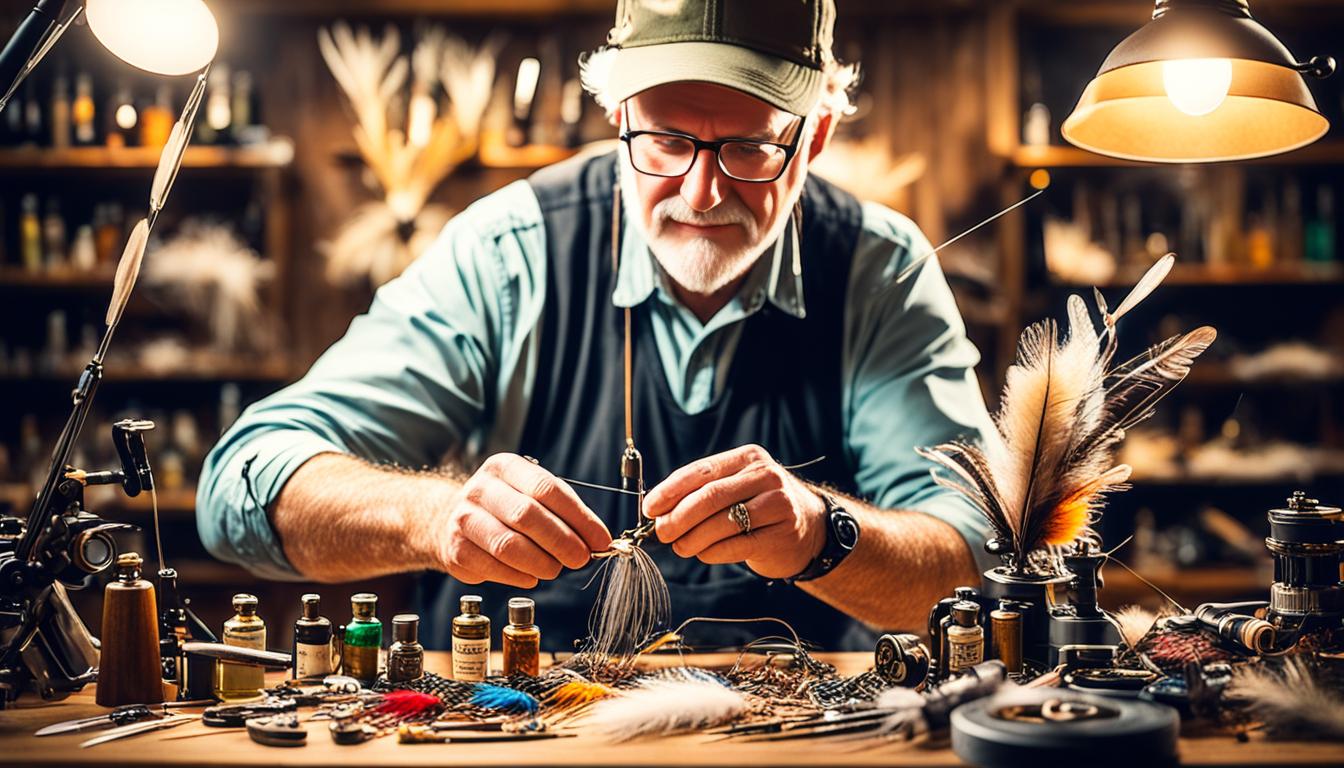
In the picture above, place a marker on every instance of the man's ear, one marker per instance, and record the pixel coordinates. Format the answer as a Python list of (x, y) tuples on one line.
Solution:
[(826, 125)]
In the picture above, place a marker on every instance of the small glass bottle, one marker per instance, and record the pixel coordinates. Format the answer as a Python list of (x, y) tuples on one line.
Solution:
[(965, 637), (312, 641), (471, 641), (522, 639), (406, 657), (83, 111), (246, 630), (361, 639)]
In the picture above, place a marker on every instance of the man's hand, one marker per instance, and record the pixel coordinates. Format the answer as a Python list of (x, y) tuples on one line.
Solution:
[(690, 510), (515, 523)]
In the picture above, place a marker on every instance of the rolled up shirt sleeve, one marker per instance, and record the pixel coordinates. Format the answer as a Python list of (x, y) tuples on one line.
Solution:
[(413, 380), (910, 374)]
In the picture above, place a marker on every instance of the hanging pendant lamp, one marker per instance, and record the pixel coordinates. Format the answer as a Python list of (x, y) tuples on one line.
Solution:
[(1201, 82)]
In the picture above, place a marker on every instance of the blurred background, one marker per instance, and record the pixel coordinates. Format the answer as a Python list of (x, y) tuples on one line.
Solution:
[(283, 224)]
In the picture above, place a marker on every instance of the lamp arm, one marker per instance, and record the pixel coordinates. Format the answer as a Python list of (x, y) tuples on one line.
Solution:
[(31, 42)]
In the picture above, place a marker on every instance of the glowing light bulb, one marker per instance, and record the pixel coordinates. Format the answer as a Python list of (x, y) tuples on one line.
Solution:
[(1197, 86), (127, 117)]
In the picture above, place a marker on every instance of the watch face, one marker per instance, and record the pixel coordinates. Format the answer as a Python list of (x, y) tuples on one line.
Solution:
[(846, 529)]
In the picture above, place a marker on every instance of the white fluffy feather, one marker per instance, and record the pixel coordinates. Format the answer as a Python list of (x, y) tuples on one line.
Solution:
[(664, 707)]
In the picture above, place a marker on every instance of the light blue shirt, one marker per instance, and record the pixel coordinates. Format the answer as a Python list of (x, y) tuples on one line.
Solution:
[(441, 368)]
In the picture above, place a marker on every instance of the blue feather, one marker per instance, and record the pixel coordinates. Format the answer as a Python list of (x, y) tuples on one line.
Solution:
[(503, 699)]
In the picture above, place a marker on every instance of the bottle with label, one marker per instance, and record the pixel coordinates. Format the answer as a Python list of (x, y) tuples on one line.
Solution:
[(406, 657), (312, 642), (30, 234), (235, 681), (361, 639), (83, 111), (471, 641), (156, 120), (965, 637), (1320, 230), (60, 113), (53, 236), (522, 639)]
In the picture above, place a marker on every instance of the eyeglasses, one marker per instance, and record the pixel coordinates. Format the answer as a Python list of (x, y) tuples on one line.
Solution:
[(671, 153)]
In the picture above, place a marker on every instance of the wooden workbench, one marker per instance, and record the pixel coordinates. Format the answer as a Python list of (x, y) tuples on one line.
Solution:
[(233, 748)]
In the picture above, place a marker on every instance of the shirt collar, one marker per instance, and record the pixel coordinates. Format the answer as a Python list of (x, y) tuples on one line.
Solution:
[(639, 275)]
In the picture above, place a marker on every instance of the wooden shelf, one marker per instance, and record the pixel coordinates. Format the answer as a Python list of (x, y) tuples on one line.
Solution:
[(1322, 152), (1202, 481), (1194, 584), (1215, 375), (120, 372), (1229, 274), (60, 279), (277, 154)]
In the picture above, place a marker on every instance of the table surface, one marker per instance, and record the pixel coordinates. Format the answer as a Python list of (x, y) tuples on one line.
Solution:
[(216, 747)]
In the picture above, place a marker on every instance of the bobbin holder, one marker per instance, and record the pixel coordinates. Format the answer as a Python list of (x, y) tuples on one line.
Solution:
[(60, 544)]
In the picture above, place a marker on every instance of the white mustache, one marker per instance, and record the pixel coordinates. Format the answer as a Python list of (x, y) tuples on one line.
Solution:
[(730, 211)]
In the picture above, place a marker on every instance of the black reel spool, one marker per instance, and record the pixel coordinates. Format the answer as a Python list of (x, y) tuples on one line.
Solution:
[(1306, 539), (1030, 729)]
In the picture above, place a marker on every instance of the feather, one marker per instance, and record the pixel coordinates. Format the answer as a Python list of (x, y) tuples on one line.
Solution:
[(1290, 701), (408, 704), (499, 698), (632, 607), (576, 693), (1040, 478), (1146, 285), (1134, 622), (128, 269), (664, 707)]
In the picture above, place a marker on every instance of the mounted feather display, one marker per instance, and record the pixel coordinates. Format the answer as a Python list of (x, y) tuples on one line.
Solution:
[(1041, 477)]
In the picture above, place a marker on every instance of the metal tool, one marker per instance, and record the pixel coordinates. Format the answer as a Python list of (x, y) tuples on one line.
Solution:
[(237, 715), (135, 729), (131, 713), (277, 731), (424, 734)]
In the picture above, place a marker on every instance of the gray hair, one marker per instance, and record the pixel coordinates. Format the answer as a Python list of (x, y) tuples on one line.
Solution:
[(839, 81)]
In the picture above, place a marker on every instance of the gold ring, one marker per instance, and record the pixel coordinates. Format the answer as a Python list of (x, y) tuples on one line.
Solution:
[(741, 517)]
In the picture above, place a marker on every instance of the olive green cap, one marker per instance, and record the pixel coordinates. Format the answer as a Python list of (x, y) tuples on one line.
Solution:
[(771, 49)]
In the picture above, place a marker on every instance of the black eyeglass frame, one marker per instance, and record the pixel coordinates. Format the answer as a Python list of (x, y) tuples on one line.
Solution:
[(700, 145)]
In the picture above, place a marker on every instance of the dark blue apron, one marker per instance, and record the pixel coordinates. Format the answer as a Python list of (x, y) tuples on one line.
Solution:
[(783, 392)]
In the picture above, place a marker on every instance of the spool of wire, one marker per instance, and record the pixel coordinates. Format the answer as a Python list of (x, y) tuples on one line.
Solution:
[(901, 660)]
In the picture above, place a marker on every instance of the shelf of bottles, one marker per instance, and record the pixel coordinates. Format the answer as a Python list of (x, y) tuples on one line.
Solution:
[(1259, 258)]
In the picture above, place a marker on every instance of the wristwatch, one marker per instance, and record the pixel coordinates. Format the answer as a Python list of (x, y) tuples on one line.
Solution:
[(842, 535)]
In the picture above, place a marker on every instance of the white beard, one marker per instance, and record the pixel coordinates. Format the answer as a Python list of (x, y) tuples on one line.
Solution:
[(700, 266)]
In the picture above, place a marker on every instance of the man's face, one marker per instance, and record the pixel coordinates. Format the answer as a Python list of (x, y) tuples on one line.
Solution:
[(705, 228)]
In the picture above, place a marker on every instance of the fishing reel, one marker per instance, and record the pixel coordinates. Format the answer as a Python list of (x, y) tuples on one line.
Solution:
[(43, 642), (1306, 539)]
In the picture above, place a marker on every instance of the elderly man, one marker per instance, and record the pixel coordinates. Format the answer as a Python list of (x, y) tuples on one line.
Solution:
[(766, 326)]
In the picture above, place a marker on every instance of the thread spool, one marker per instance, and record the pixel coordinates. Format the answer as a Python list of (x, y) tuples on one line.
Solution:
[(129, 671), (901, 660), (1006, 631)]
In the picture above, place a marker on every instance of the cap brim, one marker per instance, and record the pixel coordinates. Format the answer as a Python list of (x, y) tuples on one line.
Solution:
[(781, 83)]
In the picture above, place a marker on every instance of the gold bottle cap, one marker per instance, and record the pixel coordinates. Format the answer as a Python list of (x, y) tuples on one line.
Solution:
[(312, 602), (245, 604), (405, 627), (470, 604), (363, 605), (522, 610)]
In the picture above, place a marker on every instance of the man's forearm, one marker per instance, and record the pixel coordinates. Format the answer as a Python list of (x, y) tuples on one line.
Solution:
[(341, 519), (905, 560)]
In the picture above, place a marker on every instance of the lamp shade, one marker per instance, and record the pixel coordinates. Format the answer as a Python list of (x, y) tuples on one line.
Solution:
[(1201, 82), (167, 37)]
